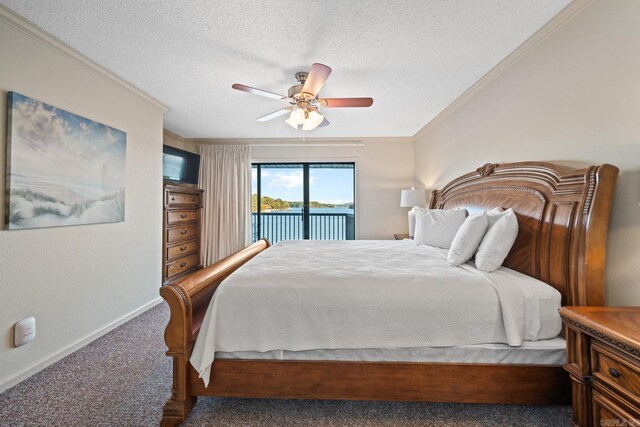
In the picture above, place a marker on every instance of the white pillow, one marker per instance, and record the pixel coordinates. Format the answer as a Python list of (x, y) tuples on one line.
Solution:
[(468, 238), (497, 241), (493, 216), (412, 219), (438, 227)]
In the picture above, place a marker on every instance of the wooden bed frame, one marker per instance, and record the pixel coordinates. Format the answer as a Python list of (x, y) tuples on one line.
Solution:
[(563, 215)]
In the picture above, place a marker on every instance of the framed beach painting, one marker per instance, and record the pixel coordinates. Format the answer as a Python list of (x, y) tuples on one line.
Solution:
[(62, 169)]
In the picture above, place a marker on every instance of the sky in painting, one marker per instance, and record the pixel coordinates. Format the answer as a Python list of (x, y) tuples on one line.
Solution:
[(48, 143), (325, 185)]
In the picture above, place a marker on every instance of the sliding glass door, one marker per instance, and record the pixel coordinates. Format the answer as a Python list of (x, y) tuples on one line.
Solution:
[(303, 201), (280, 189), (331, 201)]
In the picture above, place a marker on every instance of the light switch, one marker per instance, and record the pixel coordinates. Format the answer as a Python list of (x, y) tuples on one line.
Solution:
[(24, 331)]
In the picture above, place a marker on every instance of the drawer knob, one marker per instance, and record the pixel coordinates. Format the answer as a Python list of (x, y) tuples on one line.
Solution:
[(614, 373), (183, 248), (183, 216), (183, 232), (193, 200), (173, 199), (183, 263)]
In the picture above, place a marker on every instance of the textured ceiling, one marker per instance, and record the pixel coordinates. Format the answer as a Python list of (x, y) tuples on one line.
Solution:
[(414, 57)]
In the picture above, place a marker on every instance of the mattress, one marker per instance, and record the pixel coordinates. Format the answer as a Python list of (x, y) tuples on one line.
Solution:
[(310, 295), (543, 352)]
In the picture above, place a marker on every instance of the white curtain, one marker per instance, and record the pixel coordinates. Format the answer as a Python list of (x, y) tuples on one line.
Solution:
[(225, 177)]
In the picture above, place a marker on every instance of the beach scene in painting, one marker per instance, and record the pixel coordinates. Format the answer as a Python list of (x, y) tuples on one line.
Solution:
[(62, 169)]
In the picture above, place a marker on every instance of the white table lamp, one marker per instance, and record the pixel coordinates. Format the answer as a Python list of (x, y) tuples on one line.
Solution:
[(410, 199)]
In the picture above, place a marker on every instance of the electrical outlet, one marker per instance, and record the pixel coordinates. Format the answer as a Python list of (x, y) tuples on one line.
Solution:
[(24, 331)]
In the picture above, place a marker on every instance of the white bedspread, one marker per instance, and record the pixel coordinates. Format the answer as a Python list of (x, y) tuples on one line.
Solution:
[(304, 295)]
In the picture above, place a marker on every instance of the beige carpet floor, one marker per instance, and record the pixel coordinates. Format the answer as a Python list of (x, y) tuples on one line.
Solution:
[(124, 378)]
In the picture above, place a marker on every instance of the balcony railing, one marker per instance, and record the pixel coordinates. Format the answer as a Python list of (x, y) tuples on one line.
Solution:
[(277, 226)]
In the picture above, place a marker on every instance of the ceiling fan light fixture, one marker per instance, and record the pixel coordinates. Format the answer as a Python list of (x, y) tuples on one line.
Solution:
[(299, 115), (291, 122), (297, 118), (313, 121), (315, 118)]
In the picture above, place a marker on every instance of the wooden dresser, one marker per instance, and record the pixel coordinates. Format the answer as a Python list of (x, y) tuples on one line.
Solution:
[(603, 360), (181, 232)]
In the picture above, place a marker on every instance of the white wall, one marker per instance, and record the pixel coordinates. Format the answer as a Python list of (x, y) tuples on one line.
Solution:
[(574, 98), (383, 168), (77, 281)]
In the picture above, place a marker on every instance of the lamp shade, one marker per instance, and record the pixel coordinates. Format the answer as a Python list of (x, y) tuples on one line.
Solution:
[(311, 122), (413, 197)]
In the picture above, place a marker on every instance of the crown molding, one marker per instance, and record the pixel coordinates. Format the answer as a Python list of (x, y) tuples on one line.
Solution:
[(564, 16), (173, 135), (298, 142), (30, 29), (311, 144), (293, 142)]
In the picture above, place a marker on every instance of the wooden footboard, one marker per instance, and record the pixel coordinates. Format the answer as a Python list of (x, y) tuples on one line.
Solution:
[(188, 300)]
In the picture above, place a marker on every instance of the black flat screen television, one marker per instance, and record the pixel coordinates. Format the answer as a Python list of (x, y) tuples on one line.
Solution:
[(179, 165)]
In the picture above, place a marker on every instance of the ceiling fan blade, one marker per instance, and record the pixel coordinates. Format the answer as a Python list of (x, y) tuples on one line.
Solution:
[(316, 78), (346, 102), (273, 115), (255, 91)]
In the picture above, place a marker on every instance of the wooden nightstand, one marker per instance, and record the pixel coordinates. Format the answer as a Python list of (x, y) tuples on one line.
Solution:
[(603, 360), (400, 236)]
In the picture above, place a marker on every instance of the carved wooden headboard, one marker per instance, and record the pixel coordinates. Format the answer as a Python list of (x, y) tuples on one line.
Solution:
[(563, 215)]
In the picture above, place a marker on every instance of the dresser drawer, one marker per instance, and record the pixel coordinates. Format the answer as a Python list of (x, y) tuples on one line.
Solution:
[(179, 216), (607, 412), (181, 199), (185, 232), (181, 249), (615, 371), (180, 265)]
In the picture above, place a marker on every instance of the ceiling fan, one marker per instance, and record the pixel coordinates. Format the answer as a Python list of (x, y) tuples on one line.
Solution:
[(304, 101)]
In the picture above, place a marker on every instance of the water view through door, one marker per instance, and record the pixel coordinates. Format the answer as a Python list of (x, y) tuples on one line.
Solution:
[(303, 201)]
